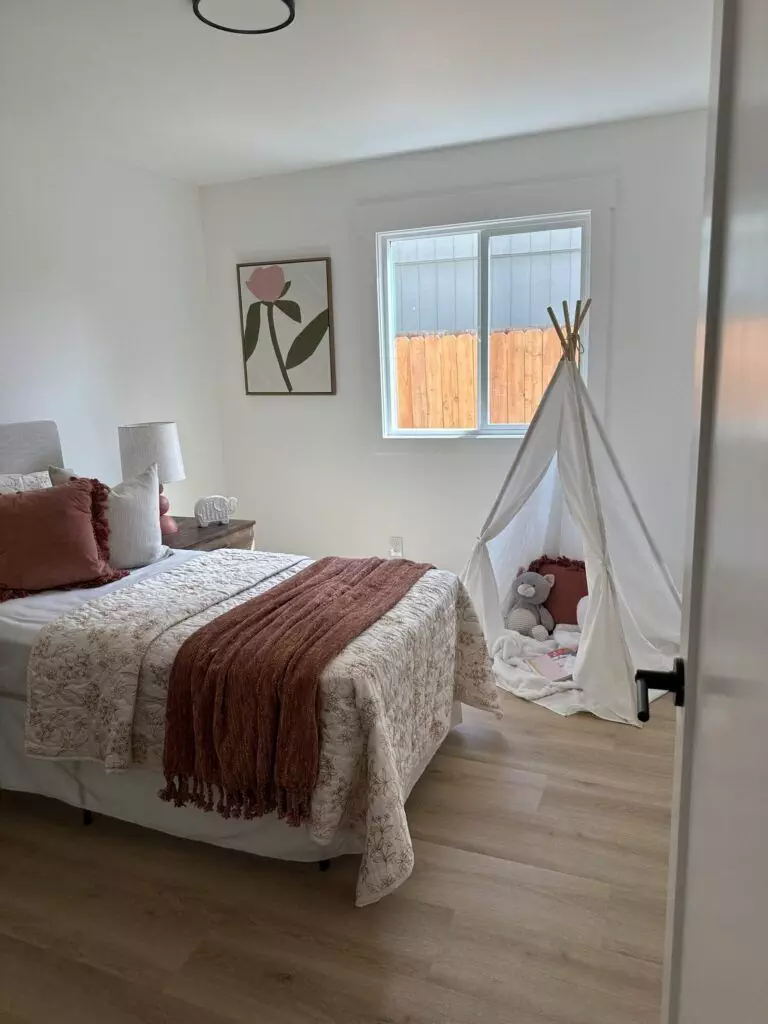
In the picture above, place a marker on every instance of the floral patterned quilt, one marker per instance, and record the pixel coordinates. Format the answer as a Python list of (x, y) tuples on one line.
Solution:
[(98, 677)]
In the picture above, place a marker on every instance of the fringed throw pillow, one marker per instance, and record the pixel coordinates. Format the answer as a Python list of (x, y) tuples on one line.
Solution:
[(56, 538)]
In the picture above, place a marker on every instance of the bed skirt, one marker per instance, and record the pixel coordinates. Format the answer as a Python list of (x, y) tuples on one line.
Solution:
[(132, 797)]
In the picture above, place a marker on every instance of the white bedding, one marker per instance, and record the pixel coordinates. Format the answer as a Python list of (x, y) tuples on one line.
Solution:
[(132, 796), (410, 644)]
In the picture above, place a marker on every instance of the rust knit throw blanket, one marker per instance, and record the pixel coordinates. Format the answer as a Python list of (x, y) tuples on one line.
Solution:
[(242, 718)]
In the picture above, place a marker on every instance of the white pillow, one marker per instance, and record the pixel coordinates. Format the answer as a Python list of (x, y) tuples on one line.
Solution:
[(134, 522), (134, 519), (10, 483)]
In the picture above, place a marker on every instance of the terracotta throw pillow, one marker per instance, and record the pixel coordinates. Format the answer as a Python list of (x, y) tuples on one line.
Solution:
[(57, 538), (570, 586)]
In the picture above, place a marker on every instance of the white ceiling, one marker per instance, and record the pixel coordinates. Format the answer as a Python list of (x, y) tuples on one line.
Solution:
[(148, 84)]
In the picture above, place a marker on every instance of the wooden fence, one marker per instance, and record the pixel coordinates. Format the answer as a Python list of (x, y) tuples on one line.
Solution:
[(437, 377)]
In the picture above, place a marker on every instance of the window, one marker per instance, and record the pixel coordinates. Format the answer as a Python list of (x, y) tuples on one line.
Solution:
[(467, 347)]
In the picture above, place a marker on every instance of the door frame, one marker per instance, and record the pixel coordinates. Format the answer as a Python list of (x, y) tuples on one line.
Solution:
[(707, 361)]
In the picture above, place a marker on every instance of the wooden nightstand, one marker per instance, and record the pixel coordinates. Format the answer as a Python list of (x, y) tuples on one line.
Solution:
[(238, 533)]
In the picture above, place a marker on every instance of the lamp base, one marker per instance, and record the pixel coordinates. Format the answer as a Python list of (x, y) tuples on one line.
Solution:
[(168, 525)]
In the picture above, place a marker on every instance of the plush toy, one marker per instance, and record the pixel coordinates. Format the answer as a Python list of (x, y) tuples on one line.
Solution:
[(527, 614)]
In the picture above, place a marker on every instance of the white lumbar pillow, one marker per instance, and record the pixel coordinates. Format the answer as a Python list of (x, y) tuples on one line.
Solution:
[(134, 522), (134, 519)]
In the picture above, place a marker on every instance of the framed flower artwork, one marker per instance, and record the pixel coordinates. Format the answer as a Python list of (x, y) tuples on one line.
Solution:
[(287, 327)]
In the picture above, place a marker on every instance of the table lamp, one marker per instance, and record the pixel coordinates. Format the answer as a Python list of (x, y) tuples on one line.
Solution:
[(141, 444)]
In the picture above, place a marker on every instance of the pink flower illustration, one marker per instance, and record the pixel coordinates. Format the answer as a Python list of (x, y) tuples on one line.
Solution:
[(266, 283), (268, 286)]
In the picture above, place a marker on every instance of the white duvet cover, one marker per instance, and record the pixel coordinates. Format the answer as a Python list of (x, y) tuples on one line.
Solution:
[(387, 703)]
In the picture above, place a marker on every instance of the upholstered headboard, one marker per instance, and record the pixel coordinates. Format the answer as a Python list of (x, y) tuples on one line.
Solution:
[(29, 447)]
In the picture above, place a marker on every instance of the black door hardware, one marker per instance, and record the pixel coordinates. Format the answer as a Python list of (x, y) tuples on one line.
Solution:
[(647, 679)]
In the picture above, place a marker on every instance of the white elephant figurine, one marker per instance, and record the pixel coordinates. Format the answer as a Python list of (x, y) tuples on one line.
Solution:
[(215, 509)]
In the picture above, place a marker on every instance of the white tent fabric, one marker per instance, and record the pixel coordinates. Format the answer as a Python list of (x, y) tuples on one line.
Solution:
[(566, 495)]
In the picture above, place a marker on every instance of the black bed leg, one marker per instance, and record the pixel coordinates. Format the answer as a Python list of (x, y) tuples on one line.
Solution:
[(87, 817), (323, 864)]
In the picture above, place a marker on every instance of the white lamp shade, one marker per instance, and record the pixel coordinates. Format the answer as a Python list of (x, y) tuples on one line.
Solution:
[(141, 444)]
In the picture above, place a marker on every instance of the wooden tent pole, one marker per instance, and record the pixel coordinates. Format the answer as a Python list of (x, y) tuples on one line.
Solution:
[(569, 339), (583, 316), (577, 318), (558, 328), (567, 319)]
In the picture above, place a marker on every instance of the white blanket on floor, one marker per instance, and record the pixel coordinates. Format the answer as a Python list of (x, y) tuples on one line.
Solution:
[(513, 673)]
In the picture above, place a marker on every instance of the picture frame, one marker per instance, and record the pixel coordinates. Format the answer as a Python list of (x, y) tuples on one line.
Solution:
[(286, 325)]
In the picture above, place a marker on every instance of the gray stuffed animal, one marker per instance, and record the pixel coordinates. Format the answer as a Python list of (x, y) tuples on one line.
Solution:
[(527, 614)]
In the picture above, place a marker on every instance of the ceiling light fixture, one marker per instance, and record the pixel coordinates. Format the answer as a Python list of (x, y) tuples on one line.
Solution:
[(239, 17)]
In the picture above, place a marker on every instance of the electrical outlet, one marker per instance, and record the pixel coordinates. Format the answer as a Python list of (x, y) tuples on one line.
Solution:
[(395, 547)]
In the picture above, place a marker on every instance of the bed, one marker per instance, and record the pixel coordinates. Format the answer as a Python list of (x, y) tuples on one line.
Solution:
[(386, 703)]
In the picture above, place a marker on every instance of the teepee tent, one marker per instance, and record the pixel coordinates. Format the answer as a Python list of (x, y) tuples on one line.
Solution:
[(566, 495)]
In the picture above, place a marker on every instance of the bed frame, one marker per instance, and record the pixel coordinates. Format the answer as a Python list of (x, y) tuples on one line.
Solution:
[(32, 447), (29, 447)]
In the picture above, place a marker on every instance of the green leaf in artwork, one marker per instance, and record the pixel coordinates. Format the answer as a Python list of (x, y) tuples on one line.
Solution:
[(285, 290), (252, 328), (290, 309), (306, 341)]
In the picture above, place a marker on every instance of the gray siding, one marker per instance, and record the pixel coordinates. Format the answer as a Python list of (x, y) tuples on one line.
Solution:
[(436, 286)]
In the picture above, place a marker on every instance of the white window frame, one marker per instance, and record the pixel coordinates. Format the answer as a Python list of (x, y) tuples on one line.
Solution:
[(485, 231)]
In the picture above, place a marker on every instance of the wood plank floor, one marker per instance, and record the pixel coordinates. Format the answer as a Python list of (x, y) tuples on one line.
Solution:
[(538, 896)]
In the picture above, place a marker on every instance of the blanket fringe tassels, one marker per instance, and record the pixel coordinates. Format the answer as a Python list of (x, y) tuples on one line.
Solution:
[(183, 791)]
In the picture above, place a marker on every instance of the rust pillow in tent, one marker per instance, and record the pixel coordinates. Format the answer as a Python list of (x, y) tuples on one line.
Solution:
[(570, 586), (55, 539)]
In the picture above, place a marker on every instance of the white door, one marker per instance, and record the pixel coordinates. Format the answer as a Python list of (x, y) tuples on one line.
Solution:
[(718, 951)]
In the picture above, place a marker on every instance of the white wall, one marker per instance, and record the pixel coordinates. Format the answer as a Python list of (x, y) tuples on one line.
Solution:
[(103, 308), (314, 471)]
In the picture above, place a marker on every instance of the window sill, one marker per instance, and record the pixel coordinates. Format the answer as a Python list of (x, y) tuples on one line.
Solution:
[(514, 434)]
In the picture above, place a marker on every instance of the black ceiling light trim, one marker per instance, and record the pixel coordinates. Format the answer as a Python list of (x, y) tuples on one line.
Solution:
[(290, 4)]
